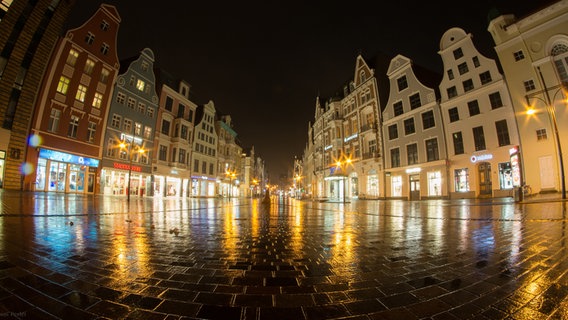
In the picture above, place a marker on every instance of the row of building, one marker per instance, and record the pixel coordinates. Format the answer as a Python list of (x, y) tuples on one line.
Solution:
[(478, 129), (75, 119)]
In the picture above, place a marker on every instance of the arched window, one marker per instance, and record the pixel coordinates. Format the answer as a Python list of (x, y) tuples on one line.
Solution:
[(559, 53)]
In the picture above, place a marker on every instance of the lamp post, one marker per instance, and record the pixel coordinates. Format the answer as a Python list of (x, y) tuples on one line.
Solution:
[(342, 165), (129, 149), (552, 117), (231, 175)]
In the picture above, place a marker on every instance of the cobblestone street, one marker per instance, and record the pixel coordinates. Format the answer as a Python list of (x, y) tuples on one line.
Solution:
[(95, 257)]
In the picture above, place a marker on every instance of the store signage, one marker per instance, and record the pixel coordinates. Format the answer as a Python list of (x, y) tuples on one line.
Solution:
[(515, 166), (124, 166), (413, 170), (481, 157), (67, 157)]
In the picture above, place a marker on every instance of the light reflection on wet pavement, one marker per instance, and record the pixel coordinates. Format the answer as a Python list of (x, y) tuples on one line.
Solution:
[(82, 257)]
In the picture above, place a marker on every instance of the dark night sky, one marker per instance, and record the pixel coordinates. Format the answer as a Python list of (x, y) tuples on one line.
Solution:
[(264, 63)]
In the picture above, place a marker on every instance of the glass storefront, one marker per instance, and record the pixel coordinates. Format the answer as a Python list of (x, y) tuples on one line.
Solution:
[(434, 184), (505, 175), (115, 182), (397, 186), (461, 177), (373, 185), (64, 172)]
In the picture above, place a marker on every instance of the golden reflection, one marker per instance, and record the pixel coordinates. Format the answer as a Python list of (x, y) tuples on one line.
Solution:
[(231, 231)]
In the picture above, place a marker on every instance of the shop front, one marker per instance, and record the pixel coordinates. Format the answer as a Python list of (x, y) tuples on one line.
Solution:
[(116, 177), (58, 171)]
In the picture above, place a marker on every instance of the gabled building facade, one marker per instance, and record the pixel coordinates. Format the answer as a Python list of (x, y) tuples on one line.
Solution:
[(480, 123), (204, 173), (173, 138), (129, 133), (533, 52), (228, 155), (414, 143), (71, 108), (28, 33)]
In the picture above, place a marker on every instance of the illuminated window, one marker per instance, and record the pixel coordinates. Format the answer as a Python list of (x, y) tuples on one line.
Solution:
[(72, 57), (97, 100), (89, 66), (147, 132), (140, 85), (81, 93), (63, 85), (137, 129), (105, 75)]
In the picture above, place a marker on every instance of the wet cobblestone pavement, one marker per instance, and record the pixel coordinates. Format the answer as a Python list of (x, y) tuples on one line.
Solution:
[(94, 257)]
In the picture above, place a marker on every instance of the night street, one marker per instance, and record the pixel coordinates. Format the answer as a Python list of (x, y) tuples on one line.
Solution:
[(83, 257)]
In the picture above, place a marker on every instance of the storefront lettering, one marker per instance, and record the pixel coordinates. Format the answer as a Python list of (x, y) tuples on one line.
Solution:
[(481, 157), (123, 166)]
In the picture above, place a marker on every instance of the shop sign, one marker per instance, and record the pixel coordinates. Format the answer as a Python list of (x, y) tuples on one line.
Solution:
[(481, 157), (124, 166), (67, 157)]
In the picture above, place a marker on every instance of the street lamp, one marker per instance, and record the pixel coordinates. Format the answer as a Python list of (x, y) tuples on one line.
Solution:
[(552, 117), (129, 149)]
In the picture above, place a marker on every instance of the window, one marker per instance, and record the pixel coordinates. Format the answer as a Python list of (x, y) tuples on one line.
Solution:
[(81, 93), (458, 53), (195, 165), (72, 57), (432, 153), (150, 112), (415, 101), (462, 68), (541, 134), (412, 153), (116, 121), (184, 132), (89, 66), (452, 92), (163, 153), (169, 103), (559, 53), (105, 74), (475, 62), (395, 158), (458, 143), (104, 25), (409, 126), (112, 146), (137, 129), (211, 168), (63, 85), (181, 156), (89, 38), (479, 138), (147, 132), (393, 132), (529, 85), (467, 85), (140, 85), (120, 97), (141, 108), (145, 66), (473, 107), (73, 126), (450, 74), (402, 83), (104, 49), (204, 167), (518, 55), (454, 114), (127, 126), (181, 110), (398, 108), (53, 123), (91, 131), (502, 133), (485, 77), (495, 100), (131, 103), (166, 127), (97, 100), (428, 120)]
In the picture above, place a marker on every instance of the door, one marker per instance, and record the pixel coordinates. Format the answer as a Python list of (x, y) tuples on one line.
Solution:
[(414, 187), (546, 169), (484, 174)]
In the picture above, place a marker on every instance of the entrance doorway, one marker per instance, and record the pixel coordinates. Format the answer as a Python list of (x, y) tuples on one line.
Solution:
[(484, 174), (414, 187)]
